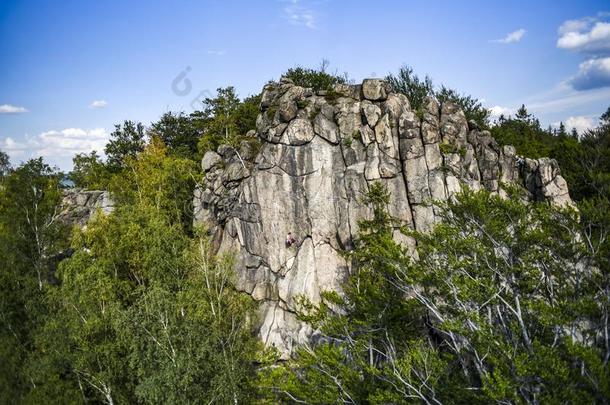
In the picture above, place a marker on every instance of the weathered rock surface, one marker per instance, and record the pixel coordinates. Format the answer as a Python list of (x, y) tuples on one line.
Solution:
[(79, 206), (319, 154)]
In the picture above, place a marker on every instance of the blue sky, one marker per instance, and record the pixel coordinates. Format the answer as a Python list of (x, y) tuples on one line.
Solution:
[(70, 70)]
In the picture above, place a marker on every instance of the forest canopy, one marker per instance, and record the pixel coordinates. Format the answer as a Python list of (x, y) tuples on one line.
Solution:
[(507, 301)]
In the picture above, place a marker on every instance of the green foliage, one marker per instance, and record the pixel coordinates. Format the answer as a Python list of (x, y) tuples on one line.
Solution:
[(314, 113), (317, 79), (30, 237), (126, 141), (584, 160), (525, 134), (302, 103), (179, 132), (5, 164), (409, 84), (159, 180), (506, 284), (446, 148), (417, 89), (247, 112), (140, 311), (349, 363), (498, 308), (90, 172), (226, 119), (29, 201), (473, 109), (144, 313)]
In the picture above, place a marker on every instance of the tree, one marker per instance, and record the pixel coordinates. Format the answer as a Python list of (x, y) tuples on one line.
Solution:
[(30, 204), (604, 119), (364, 333), (125, 141), (505, 304), (525, 134), (417, 90), (561, 131), (159, 179), (505, 287), (179, 132), (317, 79), (473, 109), (222, 109), (409, 84), (522, 114), (5, 164), (90, 172), (246, 113), (144, 313), (30, 237), (226, 119)]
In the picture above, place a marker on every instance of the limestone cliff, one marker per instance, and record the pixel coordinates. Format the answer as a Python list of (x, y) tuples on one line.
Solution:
[(320, 152)]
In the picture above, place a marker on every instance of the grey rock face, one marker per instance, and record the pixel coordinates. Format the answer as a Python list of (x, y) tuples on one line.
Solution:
[(79, 206), (375, 89), (210, 159), (318, 156)]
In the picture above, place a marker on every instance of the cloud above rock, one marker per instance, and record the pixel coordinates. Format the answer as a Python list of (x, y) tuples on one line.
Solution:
[(590, 37), (496, 111), (581, 123)]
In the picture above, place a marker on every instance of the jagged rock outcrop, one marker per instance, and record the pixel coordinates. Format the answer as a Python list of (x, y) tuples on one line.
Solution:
[(319, 153), (78, 205)]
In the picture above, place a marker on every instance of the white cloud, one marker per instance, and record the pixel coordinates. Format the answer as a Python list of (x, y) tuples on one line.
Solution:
[(297, 14), (11, 109), (592, 74), (575, 25), (496, 111), (564, 98), (511, 37), (216, 52), (581, 123), (57, 146), (587, 35), (98, 104)]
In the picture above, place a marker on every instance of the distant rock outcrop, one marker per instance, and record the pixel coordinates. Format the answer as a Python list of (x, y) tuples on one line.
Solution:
[(78, 205), (320, 152)]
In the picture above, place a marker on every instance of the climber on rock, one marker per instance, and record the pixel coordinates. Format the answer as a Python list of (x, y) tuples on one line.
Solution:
[(290, 240)]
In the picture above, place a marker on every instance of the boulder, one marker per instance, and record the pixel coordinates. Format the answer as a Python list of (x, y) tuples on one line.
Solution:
[(375, 89), (210, 159)]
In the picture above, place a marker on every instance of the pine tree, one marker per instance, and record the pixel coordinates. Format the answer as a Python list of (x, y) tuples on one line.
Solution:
[(497, 308), (522, 114), (561, 131)]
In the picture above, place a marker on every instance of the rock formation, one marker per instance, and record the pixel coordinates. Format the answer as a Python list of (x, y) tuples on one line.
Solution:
[(78, 205), (319, 152)]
